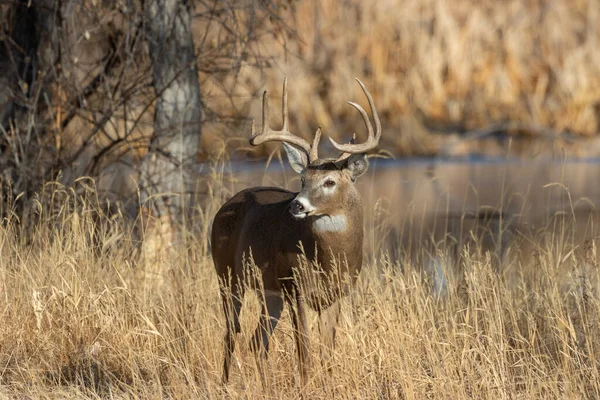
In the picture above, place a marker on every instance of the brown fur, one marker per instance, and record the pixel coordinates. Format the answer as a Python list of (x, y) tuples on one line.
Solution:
[(258, 221), (306, 246)]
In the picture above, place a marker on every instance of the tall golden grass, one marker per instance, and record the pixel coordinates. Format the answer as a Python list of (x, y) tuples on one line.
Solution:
[(432, 65), (79, 320)]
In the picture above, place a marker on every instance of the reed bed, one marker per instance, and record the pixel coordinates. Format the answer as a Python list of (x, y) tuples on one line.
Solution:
[(80, 319), (433, 66)]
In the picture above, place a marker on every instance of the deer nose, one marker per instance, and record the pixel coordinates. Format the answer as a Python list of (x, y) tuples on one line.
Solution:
[(296, 207)]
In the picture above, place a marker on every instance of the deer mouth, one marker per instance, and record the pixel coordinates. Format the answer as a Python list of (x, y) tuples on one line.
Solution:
[(301, 214)]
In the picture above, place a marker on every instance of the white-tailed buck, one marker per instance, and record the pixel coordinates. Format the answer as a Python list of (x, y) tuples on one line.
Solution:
[(307, 246)]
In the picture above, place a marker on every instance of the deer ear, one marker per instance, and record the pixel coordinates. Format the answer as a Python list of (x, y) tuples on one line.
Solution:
[(297, 158), (357, 164)]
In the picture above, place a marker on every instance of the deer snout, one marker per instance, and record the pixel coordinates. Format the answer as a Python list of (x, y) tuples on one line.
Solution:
[(300, 208), (296, 207)]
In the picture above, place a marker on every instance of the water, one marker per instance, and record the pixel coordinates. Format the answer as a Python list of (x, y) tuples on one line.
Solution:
[(417, 208), (421, 209)]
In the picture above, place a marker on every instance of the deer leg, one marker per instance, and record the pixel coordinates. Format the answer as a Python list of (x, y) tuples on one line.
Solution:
[(300, 333), (273, 308), (232, 306), (328, 319)]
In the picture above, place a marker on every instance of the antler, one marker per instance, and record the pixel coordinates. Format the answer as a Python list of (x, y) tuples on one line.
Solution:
[(284, 135), (344, 155), (373, 138)]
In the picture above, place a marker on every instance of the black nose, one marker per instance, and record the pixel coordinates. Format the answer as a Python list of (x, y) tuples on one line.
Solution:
[(296, 207)]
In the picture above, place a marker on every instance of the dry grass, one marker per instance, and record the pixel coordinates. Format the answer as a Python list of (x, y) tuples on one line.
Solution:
[(80, 321), (434, 65)]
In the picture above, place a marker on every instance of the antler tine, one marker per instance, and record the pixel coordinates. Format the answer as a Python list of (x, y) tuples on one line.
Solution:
[(284, 135), (284, 106), (344, 155), (314, 149), (373, 109), (373, 137), (365, 118)]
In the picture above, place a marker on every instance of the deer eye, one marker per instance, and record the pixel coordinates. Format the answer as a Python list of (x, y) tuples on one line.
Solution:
[(329, 183)]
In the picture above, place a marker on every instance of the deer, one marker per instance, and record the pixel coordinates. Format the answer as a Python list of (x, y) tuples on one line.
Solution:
[(320, 227)]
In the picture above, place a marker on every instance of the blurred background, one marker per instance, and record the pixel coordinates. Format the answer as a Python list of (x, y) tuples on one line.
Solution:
[(77, 76)]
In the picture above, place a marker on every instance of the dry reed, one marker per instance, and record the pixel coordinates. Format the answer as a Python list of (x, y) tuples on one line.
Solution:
[(78, 321), (432, 66)]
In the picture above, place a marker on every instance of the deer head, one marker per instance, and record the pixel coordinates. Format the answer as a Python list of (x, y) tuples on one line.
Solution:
[(327, 183)]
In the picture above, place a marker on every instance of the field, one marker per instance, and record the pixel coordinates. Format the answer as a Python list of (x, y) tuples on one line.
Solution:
[(81, 319), (84, 314)]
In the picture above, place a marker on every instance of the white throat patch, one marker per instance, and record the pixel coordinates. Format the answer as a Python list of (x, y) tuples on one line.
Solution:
[(333, 223)]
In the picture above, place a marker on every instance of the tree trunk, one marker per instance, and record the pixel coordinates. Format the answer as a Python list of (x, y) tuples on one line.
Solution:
[(29, 44), (166, 171)]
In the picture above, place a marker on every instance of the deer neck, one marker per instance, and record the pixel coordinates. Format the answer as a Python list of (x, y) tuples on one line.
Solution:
[(330, 224), (343, 223), (338, 248)]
